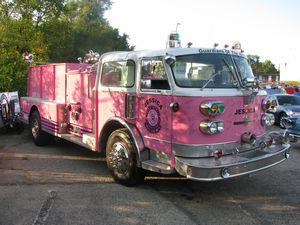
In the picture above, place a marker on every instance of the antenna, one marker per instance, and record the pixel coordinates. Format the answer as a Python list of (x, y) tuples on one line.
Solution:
[(177, 26)]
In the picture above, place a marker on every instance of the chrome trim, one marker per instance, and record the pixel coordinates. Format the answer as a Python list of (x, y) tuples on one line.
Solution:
[(185, 150), (210, 169), (158, 167), (211, 92), (294, 135), (42, 100), (130, 106)]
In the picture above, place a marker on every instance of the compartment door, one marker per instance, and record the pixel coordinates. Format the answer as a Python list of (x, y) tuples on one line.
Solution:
[(79, 102)]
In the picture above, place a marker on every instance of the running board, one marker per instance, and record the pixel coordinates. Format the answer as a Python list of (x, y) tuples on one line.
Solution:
[(157, 167), (86, 141)]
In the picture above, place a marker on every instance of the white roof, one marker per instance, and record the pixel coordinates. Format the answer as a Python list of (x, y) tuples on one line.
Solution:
[(113, 56)]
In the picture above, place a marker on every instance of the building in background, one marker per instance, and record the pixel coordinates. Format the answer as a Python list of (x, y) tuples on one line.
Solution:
[(269, 78)]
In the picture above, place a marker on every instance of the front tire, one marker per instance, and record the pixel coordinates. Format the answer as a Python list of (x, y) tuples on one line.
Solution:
[(39, 136), (122, 160), (281, 117)]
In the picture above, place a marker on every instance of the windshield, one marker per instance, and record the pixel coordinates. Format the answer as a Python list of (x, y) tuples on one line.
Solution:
[(288, 100), (208, 70), (243, 67)]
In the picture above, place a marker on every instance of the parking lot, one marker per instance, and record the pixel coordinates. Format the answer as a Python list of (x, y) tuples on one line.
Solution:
[(66, 184)]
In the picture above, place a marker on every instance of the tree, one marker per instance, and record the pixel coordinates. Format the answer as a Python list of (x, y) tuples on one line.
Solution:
[(52, 30), (90, 30), (16, 38), (262, 68), (13, 70), (267, 67)]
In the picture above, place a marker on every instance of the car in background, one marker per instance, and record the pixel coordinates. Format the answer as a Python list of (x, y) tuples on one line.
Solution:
[(283, 106), (292, 125)]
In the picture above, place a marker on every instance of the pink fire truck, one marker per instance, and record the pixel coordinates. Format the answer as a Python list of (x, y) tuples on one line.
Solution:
[(192, 111)]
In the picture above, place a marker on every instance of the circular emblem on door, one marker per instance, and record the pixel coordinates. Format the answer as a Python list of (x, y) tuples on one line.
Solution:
[(152, 123)]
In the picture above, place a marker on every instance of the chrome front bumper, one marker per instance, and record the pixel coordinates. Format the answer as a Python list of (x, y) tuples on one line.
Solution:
[(233, 165)]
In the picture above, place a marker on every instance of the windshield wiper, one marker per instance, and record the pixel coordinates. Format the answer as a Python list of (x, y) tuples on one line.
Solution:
[(218, 73), (210, 80)]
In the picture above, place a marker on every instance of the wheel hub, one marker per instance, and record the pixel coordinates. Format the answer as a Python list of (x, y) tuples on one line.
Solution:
[(119, 158), (34, 128)]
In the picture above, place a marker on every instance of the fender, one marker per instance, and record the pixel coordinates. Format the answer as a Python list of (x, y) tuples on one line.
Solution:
[(134, 133)]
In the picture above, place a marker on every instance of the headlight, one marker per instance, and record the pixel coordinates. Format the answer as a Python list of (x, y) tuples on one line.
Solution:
[(212, 108), (268, 104), (211, 126), (268, 119), (220, 126)]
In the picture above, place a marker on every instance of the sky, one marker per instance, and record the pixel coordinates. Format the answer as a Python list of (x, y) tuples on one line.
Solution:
[(267, 28)]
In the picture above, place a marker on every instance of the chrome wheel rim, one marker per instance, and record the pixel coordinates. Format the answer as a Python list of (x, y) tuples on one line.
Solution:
[(119, 158), (35, 127), (281, 123)]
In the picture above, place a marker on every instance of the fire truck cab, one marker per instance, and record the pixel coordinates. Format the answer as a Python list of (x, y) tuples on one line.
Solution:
[(193, 111)]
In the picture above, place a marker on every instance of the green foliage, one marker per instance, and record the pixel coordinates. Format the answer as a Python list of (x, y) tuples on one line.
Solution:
[(262, 68), (291, 83), (52, 30), (13, 72)]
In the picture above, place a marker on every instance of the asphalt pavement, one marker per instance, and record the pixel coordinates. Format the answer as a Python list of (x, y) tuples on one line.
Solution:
[(65, 184)]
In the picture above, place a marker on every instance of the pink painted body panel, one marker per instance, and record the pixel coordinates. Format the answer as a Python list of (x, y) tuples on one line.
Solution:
[(79, 96), (48, 81), (186, 121), (52, 115), (154, 121), (52, 87), (110, 104)]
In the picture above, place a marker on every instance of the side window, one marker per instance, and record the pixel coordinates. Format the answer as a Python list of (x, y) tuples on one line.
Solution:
[(153, 75), (118, 74)]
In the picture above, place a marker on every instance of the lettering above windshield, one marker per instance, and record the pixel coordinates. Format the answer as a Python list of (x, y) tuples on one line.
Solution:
[(219, 51)]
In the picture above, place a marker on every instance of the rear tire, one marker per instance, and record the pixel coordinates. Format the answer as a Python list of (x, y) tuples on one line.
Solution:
[(121, 159), (39, 136)]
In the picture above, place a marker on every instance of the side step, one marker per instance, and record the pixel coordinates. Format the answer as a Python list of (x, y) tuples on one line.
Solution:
[(157, 167), (86, 141)]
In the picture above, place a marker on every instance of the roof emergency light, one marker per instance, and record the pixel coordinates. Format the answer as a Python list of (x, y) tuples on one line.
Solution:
[(173, 40), (237, 46)]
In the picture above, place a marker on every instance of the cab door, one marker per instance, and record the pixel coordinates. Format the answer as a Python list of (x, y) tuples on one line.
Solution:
[(154, 117)]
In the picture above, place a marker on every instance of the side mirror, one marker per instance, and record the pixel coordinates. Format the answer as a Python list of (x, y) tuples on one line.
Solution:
[(249, 81), (170, 60), (252, 61)]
